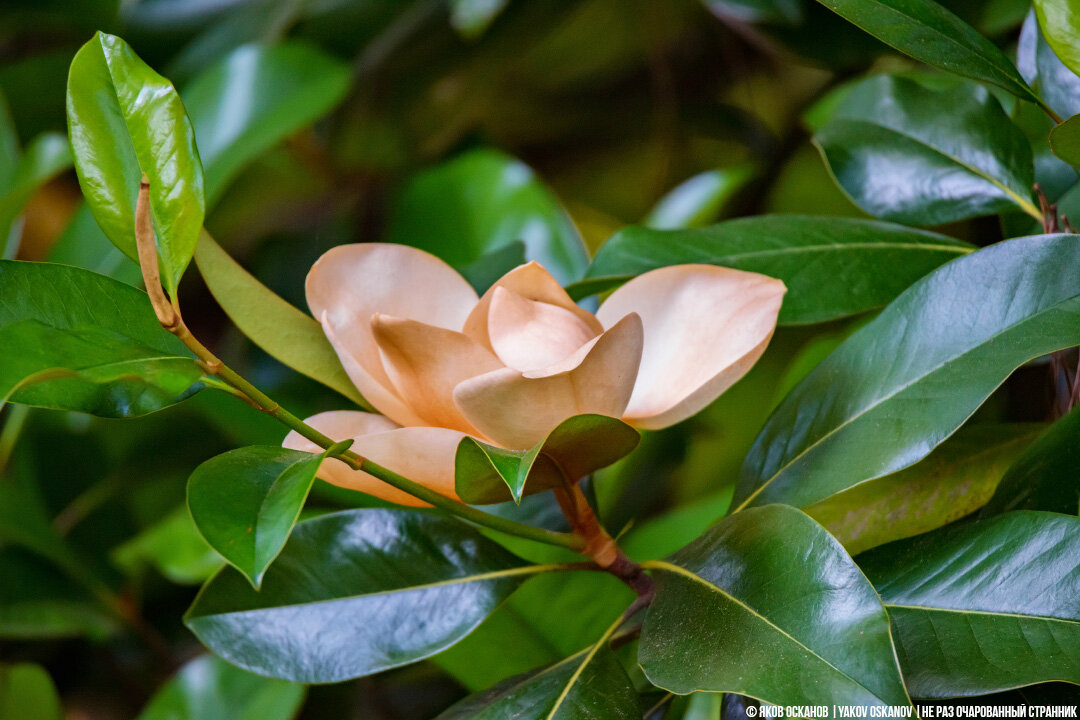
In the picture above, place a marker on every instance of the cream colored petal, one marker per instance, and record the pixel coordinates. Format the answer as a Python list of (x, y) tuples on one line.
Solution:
[(531, 335), (350, 283), (424, 455), (425, 363), (533, 282), (705, 326), (518, 410)]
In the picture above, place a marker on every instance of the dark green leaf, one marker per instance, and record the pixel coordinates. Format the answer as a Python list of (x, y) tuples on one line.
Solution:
[(1058, 86), (591, 685), (720, 623), (173, 547), (246, 501), (988, 606), (1065, 140), (47, 156), (907, 380), (291, 336), (491, 266), (1045, 476), (577, 447), (207, 688), (931, 34), (255, 97), (124, 120), (1060, 24), (411, 585), (699, 200), (914, 155), (96, 340), (953, 481), (481, 201), (833, 267), (27, 691)]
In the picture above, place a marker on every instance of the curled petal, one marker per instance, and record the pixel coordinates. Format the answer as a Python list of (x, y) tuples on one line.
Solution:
[(422, 454), (518, 410), (531, 335), (705, 327), (532, 282), (350, 283), (425, 363)]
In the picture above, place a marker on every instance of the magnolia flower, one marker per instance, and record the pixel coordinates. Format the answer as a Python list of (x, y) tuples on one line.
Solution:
[(440, 363)]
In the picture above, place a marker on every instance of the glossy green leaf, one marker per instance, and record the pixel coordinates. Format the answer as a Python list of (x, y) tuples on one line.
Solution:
[(47, 156), (1060, 24), (124, 120), (720, 623), (412, 584), (955, 480), (37, 601), (833, 267), (246, 501), (919, 156), (699, 200), (291, 336), (932, 34), (96, 340), (481, 201), (207, 688), (1065, 140), (987, 606), (591, 685), (1056, 84), (255, 97), (173, 547), (907, 380), (1044, 477), (577, 447), (27, 691)]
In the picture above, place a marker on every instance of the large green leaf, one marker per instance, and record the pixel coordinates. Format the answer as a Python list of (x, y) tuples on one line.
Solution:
[(1060, 23), (46, 156), (207, 688), (27, 691), (931, 34), (92, 342), (907, 380), (481, 201), (410, 584), (291, 336), (987, 606), (907, 153), (124, 120), (246, 501), (577, 447), (833, 267), (1045, 476), (721, 623), (953, 481), (591, 685), (255, 97)]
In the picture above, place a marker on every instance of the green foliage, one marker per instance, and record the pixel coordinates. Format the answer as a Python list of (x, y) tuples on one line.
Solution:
[(26, 691)]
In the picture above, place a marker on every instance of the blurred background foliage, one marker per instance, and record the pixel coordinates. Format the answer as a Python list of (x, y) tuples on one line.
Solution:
[(482, 130)]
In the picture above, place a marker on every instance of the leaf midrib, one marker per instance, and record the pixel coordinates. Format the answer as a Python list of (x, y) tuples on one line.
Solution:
[(989, 613)]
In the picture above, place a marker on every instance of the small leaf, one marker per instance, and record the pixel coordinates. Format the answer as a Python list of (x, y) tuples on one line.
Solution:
[(246, 501), (289, 335), (173, 547), (1060, 24), (482, 201), (910, 154), (1044, 477), (720, 624), (124, 120), (699, 200), (931, 34), (590, 685), (411, 584), (578, 446), (906, 381), (955, 480), (207, 688), (27, 691), (987, 606), (833, 267), (1065, 140)]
